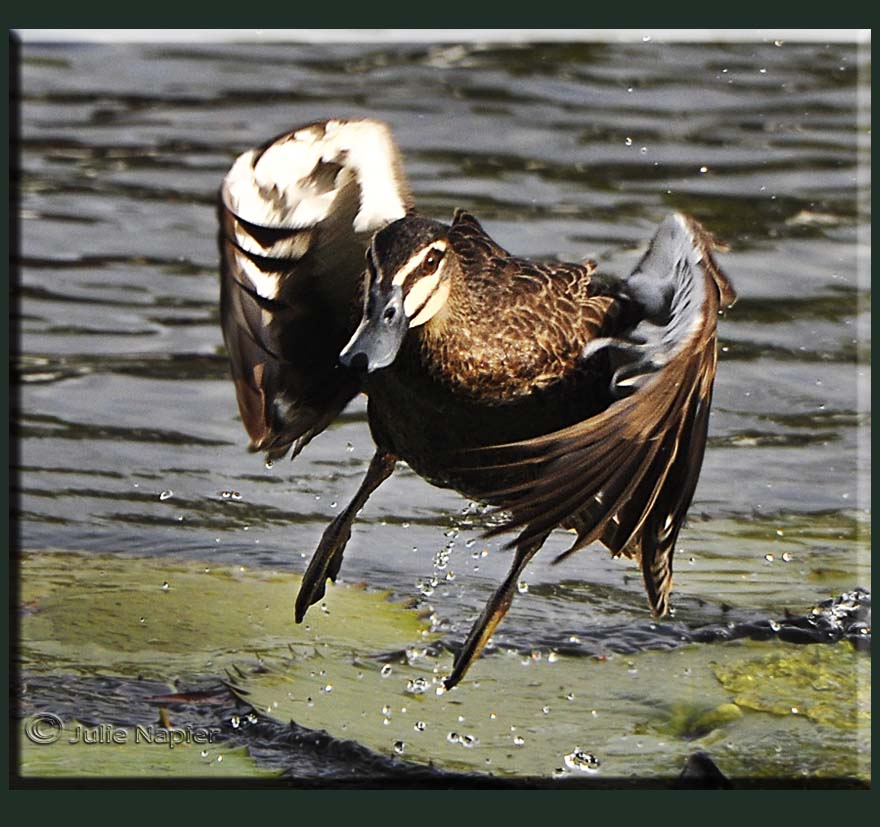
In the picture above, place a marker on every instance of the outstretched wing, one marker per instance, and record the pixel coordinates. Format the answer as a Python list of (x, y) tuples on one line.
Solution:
[(627, 476), (296, 217)]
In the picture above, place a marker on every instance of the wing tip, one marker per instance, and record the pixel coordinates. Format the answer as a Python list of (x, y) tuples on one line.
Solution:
[(295, 179), (706, 244)]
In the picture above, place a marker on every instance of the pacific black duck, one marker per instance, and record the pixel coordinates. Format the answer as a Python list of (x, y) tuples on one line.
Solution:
[(562, 396)]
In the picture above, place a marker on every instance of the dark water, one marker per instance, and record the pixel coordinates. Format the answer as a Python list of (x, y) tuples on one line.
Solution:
[(563, 150)]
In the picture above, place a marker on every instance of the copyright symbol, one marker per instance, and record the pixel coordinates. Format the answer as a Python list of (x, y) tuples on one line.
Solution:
[(43, 728)]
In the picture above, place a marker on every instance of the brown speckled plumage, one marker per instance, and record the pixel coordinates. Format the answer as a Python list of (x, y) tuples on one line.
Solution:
[(563, 396)]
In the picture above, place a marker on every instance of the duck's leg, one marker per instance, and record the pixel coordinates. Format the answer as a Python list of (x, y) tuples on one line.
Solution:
[(495, 610), (327, 558)]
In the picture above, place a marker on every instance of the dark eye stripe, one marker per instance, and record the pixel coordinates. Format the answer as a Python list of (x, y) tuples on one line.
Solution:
[(428, 298)]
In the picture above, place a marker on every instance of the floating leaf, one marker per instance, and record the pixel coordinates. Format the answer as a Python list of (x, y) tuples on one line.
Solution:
[(132, 752), (90, 613), (828, 684)]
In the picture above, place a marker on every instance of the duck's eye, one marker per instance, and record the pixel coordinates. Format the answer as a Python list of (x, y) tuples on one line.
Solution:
[(432, 260), (389, 314)]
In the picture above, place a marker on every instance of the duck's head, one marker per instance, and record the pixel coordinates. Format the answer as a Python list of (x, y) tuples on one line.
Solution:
[(409, 267)]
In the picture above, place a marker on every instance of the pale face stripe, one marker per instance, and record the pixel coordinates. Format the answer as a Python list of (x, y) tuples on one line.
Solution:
[(432, 306), (416, 261)]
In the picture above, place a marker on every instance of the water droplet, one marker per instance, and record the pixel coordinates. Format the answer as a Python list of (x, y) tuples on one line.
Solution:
[(786, 557), (628, 141), (646, 38), (518, 740), (420, 726), (143, 620), (220, 759), (522, 587), (204, 753), (426, 587), (769, 557), (327, 689), (778, 42), (415, 653), (552, 657), (235, 721), (385, 671), (704, 170), (416, 686), (399, 747), (453, 737), (545, 710), (165, 586), (581, 761), (166, 494), (762, 71), (794, 710), (643, 150)]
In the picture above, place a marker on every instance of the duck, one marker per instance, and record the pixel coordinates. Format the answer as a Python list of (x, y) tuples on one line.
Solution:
[(561, 396)]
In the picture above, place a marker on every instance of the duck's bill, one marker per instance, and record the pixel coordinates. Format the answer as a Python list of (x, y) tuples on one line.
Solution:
[(378, 338)]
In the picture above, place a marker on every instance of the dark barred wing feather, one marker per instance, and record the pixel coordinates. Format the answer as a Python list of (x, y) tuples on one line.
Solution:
[(296, 216), (627, 476)]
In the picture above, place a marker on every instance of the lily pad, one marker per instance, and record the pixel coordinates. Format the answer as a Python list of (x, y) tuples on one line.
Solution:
[(827, 684), (130, 752), (532, 715), (87, 613)]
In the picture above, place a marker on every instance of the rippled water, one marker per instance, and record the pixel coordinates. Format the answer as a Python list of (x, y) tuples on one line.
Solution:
[(128, 434)]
